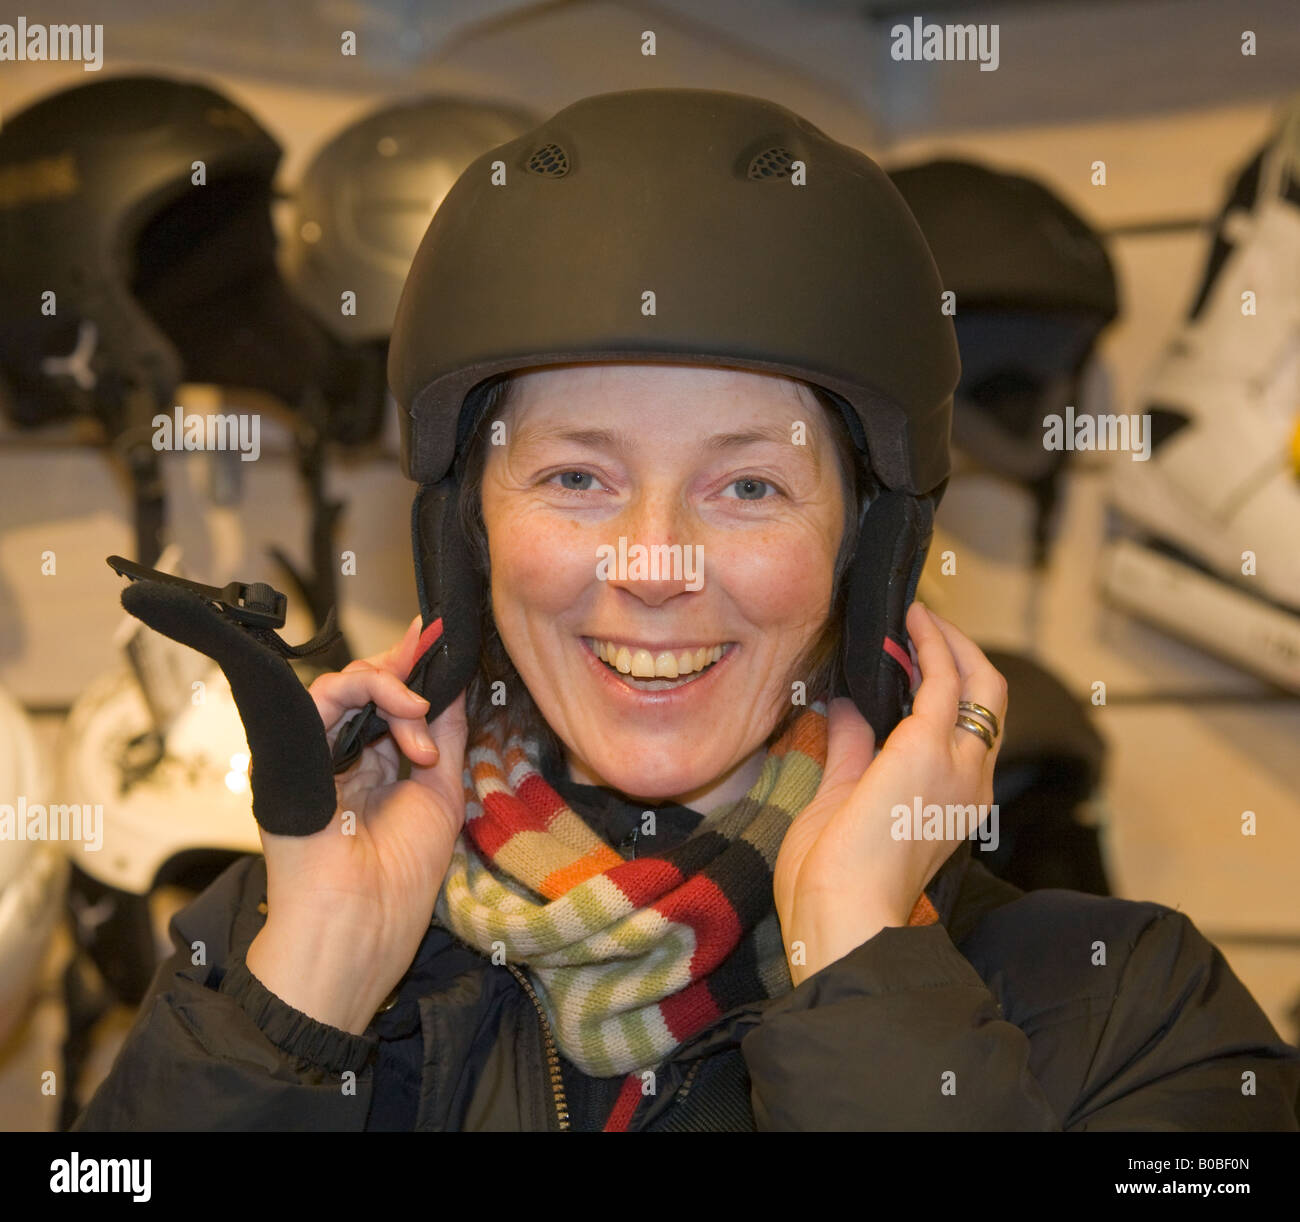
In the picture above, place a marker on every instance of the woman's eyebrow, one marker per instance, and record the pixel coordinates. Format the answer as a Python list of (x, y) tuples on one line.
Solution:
[(734, 441), (620, 443), (595, 438)]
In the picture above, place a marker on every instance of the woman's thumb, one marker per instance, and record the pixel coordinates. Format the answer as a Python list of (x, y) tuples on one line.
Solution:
[(449, 730), (850, 743)]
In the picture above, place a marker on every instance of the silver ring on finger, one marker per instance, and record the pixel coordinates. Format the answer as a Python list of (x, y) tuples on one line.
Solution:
[(975, 727), (978, 711)]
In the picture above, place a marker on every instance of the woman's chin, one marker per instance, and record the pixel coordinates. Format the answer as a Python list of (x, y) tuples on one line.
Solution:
[(638, 787), (642, 780)]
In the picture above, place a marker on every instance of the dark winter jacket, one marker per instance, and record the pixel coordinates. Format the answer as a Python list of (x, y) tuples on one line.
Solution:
[(1046, 1010)]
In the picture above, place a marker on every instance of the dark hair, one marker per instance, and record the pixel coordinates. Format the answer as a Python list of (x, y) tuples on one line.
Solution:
[(817, 666)]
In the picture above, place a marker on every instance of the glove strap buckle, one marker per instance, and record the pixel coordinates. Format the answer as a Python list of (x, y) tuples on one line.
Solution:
[(253, 603)]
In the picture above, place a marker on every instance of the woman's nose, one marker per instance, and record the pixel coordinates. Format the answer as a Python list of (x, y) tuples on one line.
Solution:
[(655, 550)]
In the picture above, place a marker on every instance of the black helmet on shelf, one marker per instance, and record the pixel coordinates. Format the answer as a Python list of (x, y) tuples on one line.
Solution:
[(139, 253), (1034, 290)]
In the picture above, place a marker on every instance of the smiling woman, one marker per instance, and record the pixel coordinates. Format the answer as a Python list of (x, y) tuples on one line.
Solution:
[(637, 877), (781, 604)]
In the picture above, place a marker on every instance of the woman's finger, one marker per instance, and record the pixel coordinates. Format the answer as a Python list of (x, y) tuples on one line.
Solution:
[(850, 745), (935, 701), (981, 683), (343, 692), (414, 738), (401, 658), (398, 660), (450, 731), (972, 664)]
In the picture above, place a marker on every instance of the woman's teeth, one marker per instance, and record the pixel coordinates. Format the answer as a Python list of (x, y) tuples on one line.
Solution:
[(642, 664)]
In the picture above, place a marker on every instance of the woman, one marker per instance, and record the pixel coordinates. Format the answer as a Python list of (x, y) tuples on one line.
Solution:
[(669, 881)]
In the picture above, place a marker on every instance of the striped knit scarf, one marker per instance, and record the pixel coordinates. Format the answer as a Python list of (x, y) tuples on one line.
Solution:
[(631, 957)]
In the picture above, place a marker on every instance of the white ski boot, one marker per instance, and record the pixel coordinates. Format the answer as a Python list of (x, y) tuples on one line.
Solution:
[(1222, 485)]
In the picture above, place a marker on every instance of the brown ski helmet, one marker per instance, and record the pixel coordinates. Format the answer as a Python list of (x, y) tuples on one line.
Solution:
[(768, 245)]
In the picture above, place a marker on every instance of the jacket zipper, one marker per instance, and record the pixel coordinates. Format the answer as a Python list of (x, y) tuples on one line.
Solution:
[(552, 1053), (685, 1088)]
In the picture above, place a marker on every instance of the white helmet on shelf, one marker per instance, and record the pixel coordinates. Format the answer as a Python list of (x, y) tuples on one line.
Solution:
[(178, 817), (33, 873)]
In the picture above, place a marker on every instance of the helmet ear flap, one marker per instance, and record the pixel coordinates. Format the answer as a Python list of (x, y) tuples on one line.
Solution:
[(450, 589), (893, 539)]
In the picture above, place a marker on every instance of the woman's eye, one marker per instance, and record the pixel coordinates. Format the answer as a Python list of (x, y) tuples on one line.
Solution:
[(563, 477), (749, 489)]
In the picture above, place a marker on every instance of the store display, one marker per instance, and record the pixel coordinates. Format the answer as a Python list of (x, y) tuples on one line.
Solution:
[(1208, 547)]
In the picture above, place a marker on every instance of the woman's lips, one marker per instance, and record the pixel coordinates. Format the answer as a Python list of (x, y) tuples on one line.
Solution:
[(664, 697)]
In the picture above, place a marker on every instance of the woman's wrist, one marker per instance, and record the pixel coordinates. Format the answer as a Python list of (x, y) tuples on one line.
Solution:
[(830, 929), (319, 970)]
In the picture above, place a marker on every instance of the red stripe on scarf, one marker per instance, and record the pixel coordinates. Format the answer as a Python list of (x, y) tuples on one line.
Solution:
[(689, 1010), (703, 906), (503, 815), (645, 879), (625, 1105), (533, 809), (540, 798)]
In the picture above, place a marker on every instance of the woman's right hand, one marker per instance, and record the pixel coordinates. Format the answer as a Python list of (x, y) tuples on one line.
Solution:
[(348, 906)]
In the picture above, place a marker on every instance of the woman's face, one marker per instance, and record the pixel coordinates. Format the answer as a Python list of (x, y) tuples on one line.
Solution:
[(699, 468)]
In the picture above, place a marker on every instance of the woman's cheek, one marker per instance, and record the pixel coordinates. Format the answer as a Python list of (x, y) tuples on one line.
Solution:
[(779, 577), (548, 562)]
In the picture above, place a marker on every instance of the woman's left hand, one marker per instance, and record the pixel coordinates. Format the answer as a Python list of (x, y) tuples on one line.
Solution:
[(840, 875)]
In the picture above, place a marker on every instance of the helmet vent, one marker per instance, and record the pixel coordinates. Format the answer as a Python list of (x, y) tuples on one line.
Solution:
[(771, 163), (550, 161)]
